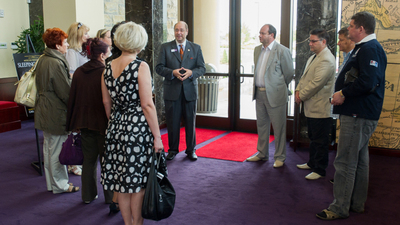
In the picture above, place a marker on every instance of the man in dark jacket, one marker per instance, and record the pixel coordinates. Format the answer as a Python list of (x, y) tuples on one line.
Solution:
[(180, 62), (358, 98)]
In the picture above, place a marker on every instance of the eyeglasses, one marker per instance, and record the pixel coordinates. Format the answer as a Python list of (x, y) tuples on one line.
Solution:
[(79, 25), (314, 41)]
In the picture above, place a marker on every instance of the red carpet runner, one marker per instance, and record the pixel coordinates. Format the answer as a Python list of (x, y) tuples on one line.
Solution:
[(202, 135), (235, 146)]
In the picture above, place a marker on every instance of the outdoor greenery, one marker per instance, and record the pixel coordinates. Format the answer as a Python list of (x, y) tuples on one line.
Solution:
[(35, 31)]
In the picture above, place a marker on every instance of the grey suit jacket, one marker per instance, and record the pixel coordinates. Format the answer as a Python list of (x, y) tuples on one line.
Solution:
[(170, 59), (316, 85), (278, 74)]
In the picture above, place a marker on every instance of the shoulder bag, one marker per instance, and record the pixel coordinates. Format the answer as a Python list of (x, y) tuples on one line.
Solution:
[(26, 90), (159, 197)]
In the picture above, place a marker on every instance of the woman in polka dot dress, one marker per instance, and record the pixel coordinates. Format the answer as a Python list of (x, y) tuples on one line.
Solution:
[(133, 130)]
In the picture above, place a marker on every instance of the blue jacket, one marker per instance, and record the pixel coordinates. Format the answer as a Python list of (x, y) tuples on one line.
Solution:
[(364, 96)]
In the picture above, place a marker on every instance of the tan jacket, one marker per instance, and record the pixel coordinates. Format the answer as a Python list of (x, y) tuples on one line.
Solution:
[(53, 84), (316, 85)]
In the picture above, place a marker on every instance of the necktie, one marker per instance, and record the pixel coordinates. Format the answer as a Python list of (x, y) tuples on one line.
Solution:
[(181, 51)]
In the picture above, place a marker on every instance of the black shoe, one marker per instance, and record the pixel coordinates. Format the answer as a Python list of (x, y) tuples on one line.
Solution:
[(332, 181), (114, 208), (192, 156), (171, 155)]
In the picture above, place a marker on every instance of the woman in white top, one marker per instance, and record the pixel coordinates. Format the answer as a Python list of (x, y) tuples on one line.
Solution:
[(77, 35)]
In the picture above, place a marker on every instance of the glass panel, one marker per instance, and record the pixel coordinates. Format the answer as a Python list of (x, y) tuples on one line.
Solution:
[(255, 13), (211, 32), (247, 105), (212, 88)]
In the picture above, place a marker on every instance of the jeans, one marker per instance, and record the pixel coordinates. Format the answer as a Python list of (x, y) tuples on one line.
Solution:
[(318, 133), (352, 165)]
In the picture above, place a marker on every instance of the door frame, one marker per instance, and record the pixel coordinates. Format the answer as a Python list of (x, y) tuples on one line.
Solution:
[(233, 122)]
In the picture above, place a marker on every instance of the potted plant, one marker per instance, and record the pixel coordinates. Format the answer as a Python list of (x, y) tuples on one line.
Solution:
[(34, 33)]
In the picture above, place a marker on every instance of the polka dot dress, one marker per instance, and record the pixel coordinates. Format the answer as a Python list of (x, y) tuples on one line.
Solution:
[(129, 141)]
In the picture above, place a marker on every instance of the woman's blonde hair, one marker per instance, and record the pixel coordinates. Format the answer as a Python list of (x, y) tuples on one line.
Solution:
[(75, 33), (130, 37), (101, 33)]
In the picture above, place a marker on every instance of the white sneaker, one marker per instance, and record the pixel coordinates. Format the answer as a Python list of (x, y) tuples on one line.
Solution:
[(313, 176), (303, 166), (278, 163)]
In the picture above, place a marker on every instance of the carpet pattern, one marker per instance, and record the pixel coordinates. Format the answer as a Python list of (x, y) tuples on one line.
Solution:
[(202, 135), (209, 191)]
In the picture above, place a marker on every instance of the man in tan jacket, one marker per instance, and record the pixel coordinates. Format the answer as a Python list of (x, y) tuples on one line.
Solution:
[(314, 90)]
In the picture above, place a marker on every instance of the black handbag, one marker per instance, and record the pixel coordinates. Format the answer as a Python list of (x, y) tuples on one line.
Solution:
[(159, 197)]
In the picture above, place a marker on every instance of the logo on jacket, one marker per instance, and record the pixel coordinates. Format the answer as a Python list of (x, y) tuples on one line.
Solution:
[(373, 63)]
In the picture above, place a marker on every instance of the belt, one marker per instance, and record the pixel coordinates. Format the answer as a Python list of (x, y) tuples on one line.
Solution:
[(261, 88)]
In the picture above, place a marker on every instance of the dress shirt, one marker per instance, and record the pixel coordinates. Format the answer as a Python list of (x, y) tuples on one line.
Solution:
[(179, 46), (179, 49), (262, 64), (345, 58)]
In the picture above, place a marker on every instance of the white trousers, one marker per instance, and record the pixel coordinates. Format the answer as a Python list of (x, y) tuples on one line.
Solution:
[(56, 174)]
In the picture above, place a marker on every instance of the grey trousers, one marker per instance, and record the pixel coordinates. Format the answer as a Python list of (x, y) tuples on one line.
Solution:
[(56, 174), (92, 148), (266, 114)]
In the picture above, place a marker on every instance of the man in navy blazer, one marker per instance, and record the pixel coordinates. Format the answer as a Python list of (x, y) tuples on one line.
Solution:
[(180, 62)]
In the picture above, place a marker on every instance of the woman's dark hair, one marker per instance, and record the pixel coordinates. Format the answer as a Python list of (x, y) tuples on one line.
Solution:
[(54, 36), (115, 51), (93, 48)]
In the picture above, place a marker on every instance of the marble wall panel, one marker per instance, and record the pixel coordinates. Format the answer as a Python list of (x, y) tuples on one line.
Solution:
[(313, 14), (150, 14), (35, 10)]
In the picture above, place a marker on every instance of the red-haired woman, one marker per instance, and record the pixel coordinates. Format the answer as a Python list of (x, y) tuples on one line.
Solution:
[(86, 113), (53, 84)]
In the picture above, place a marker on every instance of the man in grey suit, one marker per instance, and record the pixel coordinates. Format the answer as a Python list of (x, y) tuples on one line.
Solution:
[(274, 71), (180, 62), (314, 90)]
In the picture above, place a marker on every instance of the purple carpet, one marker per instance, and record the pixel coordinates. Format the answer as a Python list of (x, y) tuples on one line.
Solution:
[(209, 191)]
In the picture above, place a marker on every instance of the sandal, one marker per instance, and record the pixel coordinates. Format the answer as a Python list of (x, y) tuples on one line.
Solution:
[(72, 189), (326, 214), (75, 170)]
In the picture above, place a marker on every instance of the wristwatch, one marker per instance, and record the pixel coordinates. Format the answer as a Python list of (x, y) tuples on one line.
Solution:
[(341, 93)]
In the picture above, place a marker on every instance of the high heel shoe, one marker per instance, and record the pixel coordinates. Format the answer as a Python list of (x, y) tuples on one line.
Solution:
[(114, 208)]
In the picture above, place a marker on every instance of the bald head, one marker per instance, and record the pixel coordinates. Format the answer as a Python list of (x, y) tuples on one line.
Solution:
[(181, 30)]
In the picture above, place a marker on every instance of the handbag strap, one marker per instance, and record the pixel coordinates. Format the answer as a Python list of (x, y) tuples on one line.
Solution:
[(31, 80), (34, 66)]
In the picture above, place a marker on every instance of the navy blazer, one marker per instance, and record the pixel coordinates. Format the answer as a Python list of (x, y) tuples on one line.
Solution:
[(170, 59)]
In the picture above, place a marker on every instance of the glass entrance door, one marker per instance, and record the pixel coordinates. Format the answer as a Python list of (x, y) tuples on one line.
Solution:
[(227, 31)]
